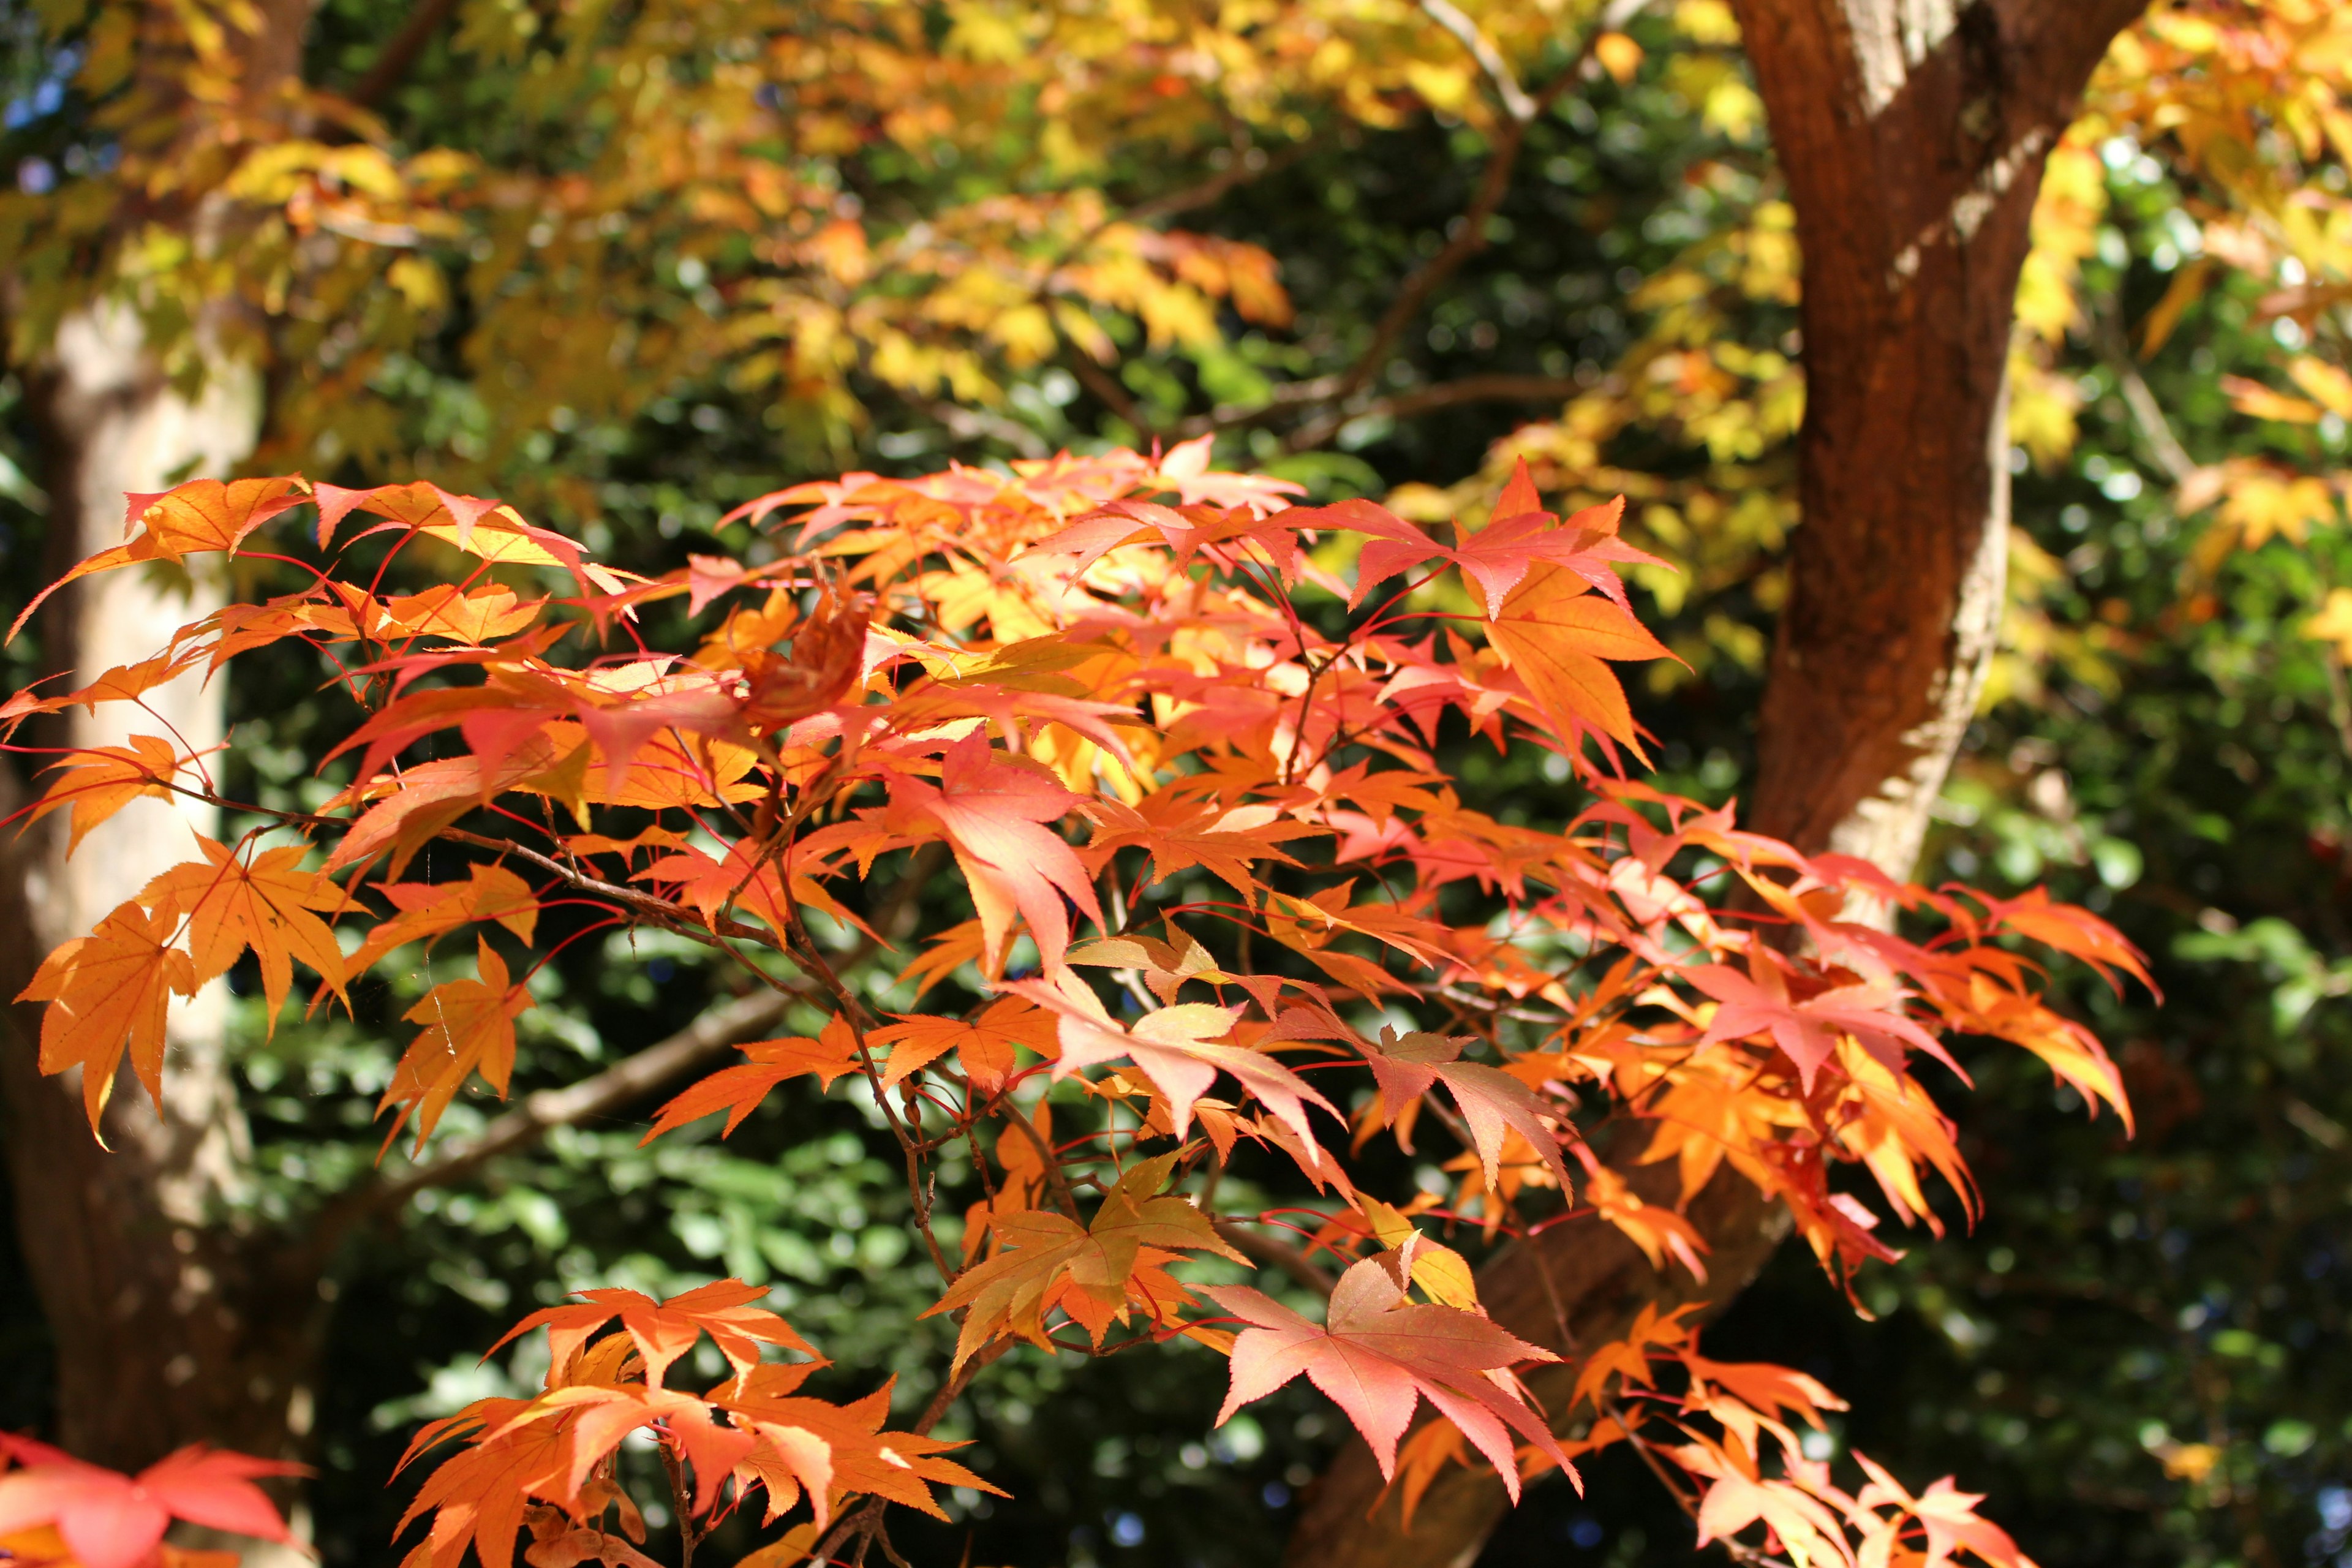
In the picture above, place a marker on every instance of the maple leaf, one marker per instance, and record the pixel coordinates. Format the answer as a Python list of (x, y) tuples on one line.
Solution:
[(1555, 635), (479, 1495), (122, 683), (737, 1091), (2072, 929), (984, 1046), (428, 909), (1492, 1102), (1165, 966), (1048, 1261), (747, 881), (1947, 1515), (992, 808), (201, 515), (102, 780), (109, 990), (1179, 833), (468, 1027), (1378, 1354), (113, 1521), (1807, 1031), (1498, 557), (474, 616), (894, 1466), (961, 943), (665, 1331), (1747, 1396), (1654, 1229), (827, 656), (593, 1420), (266, 904), (1176, 1047), (1808, 1528)]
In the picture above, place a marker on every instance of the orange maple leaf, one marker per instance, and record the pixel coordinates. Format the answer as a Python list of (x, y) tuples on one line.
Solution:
[(429, 908), (102, 780), (737, 1091), (1555, 634), (468, 1027), (1492, 1102), (108, 991), (993, 809), (230, 905), (1049, 1261), (201, 515), (984, 1046), (666, 1330)]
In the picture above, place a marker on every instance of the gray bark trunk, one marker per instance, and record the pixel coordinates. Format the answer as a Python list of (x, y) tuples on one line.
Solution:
[(1913, 134)]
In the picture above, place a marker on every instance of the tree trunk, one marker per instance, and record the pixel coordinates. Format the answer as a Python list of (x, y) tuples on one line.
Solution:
[(173, 1323), (1913, 134), (168, 1328)]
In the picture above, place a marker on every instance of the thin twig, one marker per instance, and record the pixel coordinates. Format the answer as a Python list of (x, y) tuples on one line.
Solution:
[(1239, 172), (1445, 395), (1470, 237), (1265, 1250), (2145, 412), (1106, 386), (952, 1390)]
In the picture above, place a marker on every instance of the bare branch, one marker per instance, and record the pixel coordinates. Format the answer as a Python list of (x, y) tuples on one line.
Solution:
[(2145, 412), (710, 1036), (401, 53), (1239, 172), (1267, 1252), (1515, 102), (1445, 395), (974, 423), (1470, 237), (1106, 386)]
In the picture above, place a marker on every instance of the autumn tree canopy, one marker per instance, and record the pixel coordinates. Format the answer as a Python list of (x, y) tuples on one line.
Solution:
[(484, 247), (977, 663)]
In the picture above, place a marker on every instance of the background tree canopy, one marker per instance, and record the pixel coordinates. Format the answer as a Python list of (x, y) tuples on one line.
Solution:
[(631, 266)]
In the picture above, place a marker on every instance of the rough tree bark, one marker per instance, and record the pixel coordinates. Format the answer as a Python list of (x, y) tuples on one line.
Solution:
[(1913, 135)]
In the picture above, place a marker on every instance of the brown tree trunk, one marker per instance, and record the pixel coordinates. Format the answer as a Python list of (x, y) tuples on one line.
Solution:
[(1913, 134)]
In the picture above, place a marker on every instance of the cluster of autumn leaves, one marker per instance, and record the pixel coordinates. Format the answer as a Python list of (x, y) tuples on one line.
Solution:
[(1178, 740)]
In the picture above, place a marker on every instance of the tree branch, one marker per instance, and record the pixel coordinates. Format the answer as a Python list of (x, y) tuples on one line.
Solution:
[(1515, 102), (1445, 395), (712, 1034), (2145, 412), (1266, 1252), (1470, 237), (1106, 386), (1239, 172), (401, 53)]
